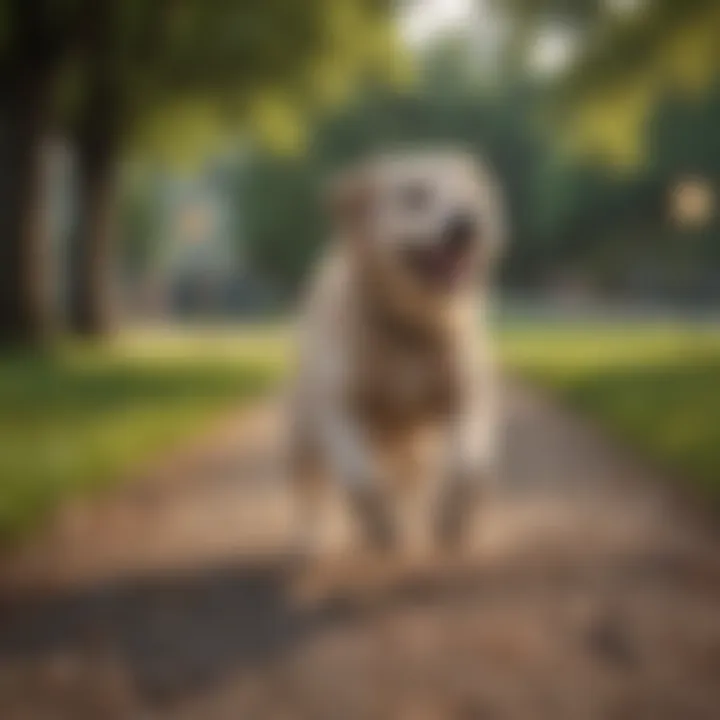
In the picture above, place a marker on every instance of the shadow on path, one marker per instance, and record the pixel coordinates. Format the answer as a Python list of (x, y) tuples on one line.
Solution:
[(590, 598)]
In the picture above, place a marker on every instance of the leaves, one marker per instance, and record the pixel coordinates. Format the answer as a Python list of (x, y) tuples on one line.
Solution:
[(629, 63)]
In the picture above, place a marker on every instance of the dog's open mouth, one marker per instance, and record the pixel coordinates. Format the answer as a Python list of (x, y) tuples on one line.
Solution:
[(442, 266), (449, 260)]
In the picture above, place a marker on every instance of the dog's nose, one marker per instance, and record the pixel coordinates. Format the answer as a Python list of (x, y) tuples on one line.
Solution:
[(459, 231)]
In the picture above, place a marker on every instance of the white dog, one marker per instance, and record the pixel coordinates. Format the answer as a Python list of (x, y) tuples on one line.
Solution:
[(393, 341)]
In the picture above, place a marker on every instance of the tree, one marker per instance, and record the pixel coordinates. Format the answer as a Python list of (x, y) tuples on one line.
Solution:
[(98, 142), (140, 61), (627, 65), (33, 44), (283, 223), (108, 68)]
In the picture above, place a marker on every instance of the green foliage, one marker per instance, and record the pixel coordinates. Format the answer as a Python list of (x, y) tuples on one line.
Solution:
[(283, 220), (652, 386), (140, 220), (282, 217), (590, 215), (628, 63), (259, 65), (203, 66), (571, 215), (79, 419), (629, 54)]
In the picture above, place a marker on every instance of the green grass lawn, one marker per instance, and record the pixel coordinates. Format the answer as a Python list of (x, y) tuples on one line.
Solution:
[(80, 417), (655, 387)]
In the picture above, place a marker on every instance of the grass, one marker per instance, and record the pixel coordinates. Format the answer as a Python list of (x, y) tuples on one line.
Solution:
[(656, 387), (81, 417)]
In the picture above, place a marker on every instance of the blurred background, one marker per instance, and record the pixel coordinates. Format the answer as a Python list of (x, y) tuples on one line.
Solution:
[(162, 160), (161, 164)]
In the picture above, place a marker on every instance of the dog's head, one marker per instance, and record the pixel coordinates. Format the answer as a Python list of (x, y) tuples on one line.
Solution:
[(430, 222)]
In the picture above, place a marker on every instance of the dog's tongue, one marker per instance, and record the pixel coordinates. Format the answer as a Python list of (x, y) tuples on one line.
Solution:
[(440, 266), (447, 265)]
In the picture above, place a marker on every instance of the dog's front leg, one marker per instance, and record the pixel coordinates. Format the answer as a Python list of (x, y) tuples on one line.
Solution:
[(470, 467), (353, 462)]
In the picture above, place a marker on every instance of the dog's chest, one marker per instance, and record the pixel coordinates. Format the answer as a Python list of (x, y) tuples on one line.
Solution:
[(402, 386)]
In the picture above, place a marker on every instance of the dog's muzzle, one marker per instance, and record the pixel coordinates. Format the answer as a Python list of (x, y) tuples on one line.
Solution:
[(448, 260), (458, 235)]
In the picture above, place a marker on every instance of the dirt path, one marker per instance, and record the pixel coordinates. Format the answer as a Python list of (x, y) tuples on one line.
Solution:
[(590, 595)]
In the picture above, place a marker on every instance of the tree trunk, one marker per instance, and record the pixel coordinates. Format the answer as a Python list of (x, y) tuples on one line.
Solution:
[(25, 111), (92, 306)]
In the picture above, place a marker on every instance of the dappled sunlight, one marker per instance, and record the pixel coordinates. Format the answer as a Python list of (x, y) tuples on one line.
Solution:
[(257, 459), (86, 416)]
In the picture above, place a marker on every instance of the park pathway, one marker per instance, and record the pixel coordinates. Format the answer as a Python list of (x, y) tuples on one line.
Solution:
[(591, 593)]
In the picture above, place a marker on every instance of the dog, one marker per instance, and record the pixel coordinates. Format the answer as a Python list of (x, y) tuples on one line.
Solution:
[(393, 346)]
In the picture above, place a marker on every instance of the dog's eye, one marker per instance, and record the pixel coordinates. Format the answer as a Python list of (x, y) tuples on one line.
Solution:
[(415, 196)]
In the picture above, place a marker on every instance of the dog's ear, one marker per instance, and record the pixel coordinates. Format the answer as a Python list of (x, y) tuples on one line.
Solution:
[(348, 200)]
